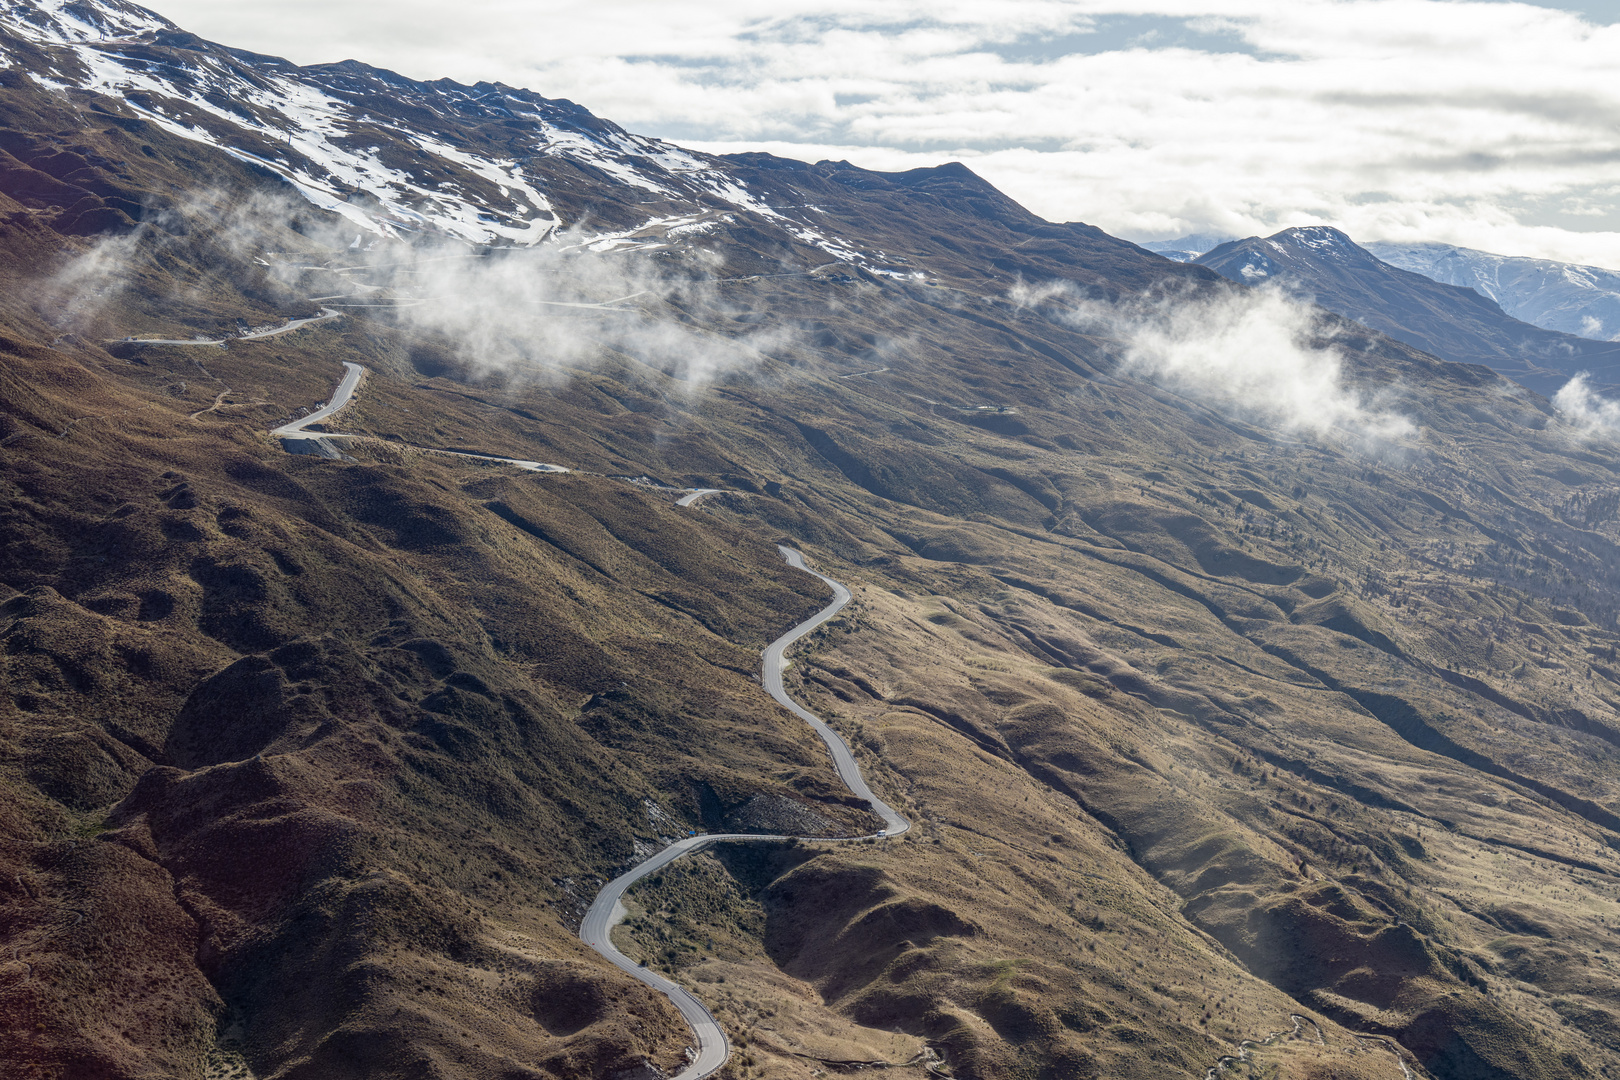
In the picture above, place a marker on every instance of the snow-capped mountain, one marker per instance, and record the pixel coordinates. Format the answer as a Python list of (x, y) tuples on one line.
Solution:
[(1449, 321), (1186, 248), (488, 164), (1580, 300), (485, 164)]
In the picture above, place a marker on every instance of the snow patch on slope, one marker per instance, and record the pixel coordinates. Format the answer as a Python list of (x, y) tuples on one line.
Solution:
[(1581, 300), (386, 176)]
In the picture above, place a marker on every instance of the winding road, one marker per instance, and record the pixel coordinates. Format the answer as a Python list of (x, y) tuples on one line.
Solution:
[(843, 760), (607, 910), (1243, 1057), (286, 328), (352, 375), (297, 440)]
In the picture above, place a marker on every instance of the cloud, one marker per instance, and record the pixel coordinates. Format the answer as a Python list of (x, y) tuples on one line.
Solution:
[(86, 284), (1484, 124), (1587, 415), (541, 313), (545, 312), (1253, 353)]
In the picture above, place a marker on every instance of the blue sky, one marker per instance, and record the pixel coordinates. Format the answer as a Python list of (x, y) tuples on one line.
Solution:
[(1480, 122)]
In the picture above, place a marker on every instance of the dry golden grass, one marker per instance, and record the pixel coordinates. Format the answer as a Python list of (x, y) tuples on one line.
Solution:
[(1197, 730)]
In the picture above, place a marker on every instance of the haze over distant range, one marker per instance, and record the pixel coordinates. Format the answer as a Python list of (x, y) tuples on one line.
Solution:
[(1483, 124)]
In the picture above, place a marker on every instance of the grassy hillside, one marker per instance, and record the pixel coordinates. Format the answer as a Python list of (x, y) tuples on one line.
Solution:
[(1209, 717)]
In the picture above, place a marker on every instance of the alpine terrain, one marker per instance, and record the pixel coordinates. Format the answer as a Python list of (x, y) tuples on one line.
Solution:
[(1450, 320), (1187, 248), (487, 594), (1581, 300)]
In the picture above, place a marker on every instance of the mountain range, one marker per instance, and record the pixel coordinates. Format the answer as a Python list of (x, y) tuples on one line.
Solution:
[(1187, 248), (1244, 672), (1451, 321), (1580, 300)]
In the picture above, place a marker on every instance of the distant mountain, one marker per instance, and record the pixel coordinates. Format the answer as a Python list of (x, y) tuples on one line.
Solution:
[(1449, 321), (401, 159), (1186, 248), (1580, 300)]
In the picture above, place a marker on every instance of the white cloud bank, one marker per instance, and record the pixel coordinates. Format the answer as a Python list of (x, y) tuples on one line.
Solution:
[(1587, 414), (542, 313), (1257, 354), (1485, 124)]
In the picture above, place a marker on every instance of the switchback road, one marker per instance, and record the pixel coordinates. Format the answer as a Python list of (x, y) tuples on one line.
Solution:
[(286, 328), (294, 432), (843, 760), (607, 910)]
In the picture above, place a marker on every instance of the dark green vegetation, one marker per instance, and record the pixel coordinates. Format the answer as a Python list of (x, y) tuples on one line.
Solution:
[(309, 767)]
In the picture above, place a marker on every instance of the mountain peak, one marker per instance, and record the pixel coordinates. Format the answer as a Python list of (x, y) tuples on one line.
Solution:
[(1321, 237), (1448, 321), (1319, 242)]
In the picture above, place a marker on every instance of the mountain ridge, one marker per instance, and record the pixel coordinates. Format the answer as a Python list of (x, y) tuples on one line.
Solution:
[(1451, 321), (1567, 297)]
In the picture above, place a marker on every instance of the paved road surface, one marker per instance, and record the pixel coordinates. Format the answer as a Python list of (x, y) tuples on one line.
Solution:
[(165, 341), (289, 327), (326, 313), (604, 305), (843, 760), (688, 500), (297, 440), (340, 398), (607, 910), (532, 466)]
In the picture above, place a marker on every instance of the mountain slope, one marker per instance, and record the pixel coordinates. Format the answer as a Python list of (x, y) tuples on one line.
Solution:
[(1580, 300), (487, 164), (1209, 713), (1447, 320)]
